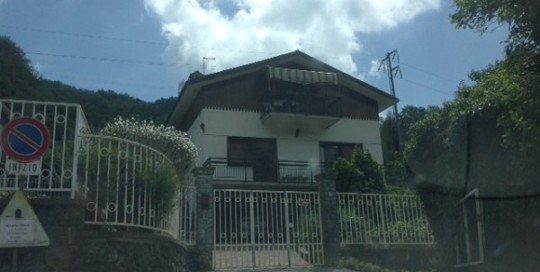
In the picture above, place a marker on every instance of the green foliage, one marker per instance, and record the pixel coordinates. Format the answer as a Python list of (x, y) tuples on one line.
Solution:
[(396, 168), (19, 81), (360, 174), (522, 17), (174, 144), (498, 116), (16, 74), (390, 219)]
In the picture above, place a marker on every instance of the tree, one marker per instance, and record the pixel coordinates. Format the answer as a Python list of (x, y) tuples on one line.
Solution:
[(395, 166), (521, 16), (487, 138), (17, 77), (359, 174)]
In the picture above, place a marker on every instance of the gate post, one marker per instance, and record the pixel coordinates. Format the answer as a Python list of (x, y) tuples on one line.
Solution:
[(329, 217), (204, 234)]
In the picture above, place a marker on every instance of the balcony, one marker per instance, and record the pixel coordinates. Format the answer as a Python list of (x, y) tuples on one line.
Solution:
[(291, 172), (301, 112)]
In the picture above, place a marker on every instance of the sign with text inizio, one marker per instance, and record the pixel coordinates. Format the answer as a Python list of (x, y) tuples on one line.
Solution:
[(18, 168)]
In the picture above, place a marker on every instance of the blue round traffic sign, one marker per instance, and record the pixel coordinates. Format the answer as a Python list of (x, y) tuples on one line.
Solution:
[(25, 139)]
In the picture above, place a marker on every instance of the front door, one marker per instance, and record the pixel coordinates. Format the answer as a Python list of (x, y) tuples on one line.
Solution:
[(264, 160)]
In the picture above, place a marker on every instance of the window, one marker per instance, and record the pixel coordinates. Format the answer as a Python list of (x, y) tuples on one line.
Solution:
[(259, 153), (238, 151), (330, 152)]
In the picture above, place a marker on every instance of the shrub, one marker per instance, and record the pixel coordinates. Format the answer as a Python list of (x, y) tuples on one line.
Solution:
[(173, 143)]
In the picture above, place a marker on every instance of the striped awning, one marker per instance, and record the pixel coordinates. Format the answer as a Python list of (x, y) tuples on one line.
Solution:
[(302, 76)]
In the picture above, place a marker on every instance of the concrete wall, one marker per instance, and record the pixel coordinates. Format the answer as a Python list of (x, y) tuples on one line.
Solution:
[(75, 247), (222, 123)]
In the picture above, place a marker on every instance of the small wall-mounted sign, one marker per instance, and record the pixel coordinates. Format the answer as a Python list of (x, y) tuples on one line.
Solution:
[(32, 168), (19, 225)]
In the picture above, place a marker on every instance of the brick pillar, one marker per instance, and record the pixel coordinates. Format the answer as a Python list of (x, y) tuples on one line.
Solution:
[(205, 210), (329, 217)]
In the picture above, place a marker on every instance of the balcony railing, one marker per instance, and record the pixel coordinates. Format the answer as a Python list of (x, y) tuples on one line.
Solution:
[(307, 105), (299, 172)]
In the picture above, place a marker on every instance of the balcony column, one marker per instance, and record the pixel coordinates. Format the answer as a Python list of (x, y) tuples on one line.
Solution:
[(204, 234), (329, 217)]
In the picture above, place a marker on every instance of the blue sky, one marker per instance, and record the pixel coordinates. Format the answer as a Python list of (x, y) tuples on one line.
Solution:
[(146, 48)]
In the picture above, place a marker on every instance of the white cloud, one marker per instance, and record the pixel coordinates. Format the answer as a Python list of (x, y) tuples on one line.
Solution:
[(242, 31), (375, 68)]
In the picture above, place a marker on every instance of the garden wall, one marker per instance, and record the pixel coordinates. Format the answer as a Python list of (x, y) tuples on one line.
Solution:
[(399, 257), (75, 248)]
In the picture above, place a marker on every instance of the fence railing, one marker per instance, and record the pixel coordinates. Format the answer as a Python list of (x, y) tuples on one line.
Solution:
[(54, 174), (123, 183), (127, 184), (188, 213), (285, 171), (382, 219)]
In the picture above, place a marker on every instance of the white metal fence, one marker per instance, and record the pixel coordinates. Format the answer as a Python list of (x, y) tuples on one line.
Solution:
[(124, 184), (127, 184), (255, 228), (188, 214), (53, 175), (382, 219)]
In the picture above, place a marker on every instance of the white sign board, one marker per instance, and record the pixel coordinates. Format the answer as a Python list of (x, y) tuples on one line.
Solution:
[(19, 225), (17, 168), (17, 231)]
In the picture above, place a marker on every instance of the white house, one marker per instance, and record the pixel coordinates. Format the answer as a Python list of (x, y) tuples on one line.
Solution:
[(279, 120)]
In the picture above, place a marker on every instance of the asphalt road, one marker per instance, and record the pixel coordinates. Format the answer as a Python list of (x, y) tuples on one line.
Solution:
[(295, 269)]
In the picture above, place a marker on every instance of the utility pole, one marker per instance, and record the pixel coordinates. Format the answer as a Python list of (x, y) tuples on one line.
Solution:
[(392, 72), (204, 59)]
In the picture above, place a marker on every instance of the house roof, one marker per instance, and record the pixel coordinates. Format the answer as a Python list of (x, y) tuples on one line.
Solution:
[(197, 80)]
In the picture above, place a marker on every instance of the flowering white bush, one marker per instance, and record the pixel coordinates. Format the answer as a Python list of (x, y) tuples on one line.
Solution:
[(176, 145)]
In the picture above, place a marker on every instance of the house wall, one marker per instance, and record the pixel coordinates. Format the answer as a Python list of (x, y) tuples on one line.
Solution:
[(247, 91), (221, 123)]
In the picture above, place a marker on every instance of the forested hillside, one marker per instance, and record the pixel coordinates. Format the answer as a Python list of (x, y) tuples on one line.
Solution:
[(18, 80)]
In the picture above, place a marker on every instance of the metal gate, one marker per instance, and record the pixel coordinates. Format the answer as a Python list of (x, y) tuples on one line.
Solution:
[(266, 229)]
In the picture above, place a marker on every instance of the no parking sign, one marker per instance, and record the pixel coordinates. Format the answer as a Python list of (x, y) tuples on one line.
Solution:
[(25, 139)]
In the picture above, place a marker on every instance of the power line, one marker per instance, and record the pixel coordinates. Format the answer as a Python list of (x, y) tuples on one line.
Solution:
[(107, 59), (81, 35), (111, 38), (428, 72), (426, 86), (96, 80)]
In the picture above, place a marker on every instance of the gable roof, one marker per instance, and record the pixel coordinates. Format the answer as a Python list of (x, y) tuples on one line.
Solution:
[(197, 80)]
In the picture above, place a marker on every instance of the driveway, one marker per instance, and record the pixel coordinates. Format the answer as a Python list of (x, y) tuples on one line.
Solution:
[(295, 269)]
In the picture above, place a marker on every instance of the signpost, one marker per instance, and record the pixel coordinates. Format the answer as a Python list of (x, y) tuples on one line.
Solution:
[(25, 139), (20, 227)]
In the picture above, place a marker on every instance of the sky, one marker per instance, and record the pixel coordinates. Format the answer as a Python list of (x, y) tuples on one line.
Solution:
[(145, 48)]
